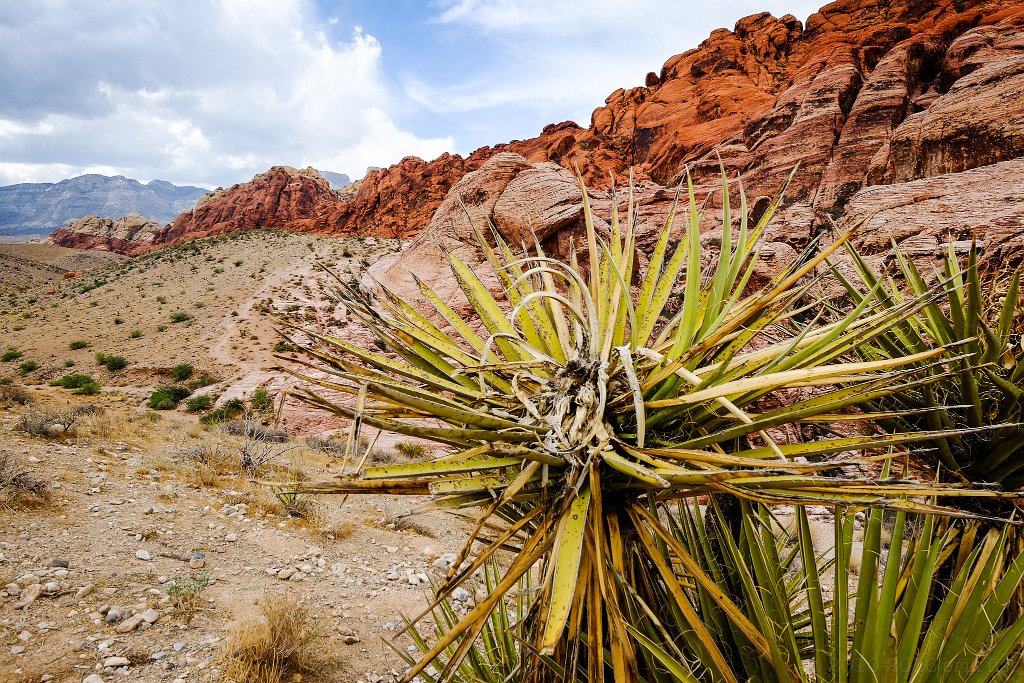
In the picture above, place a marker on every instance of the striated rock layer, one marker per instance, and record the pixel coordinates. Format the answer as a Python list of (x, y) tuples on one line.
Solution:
[(120, 235), (864, 93)]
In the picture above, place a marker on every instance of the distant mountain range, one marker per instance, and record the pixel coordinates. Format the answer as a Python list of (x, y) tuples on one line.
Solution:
[(41, 208)]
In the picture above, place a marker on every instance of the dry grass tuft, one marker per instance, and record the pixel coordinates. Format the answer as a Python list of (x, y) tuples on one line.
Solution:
[(185, 593), (18, 488), (412, 450), (282, 641)]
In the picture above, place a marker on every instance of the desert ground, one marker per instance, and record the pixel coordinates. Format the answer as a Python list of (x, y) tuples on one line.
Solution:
[(132, 540)]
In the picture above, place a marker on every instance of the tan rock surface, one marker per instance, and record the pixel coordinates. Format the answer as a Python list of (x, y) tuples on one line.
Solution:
[(986, 203)]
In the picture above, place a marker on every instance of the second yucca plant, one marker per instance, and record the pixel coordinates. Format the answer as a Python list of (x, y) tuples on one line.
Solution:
[(575, 411)]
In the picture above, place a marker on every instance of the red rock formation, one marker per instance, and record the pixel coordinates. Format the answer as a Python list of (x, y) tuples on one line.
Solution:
[(866, 91), (283, 198), (831, 95)]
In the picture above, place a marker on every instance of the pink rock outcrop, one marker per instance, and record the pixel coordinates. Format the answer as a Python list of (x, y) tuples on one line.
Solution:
[(119, 235)]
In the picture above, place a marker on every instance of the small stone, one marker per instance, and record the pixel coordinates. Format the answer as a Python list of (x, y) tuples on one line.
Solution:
[(29, 596), (51, 587), (84, 591), (346, 631), (59, 562), (93, 678), (178, 647), (460, 594), (297, 576), (129, 624), (17, 649), (157, 656), (286, 573), (116, 661), (444, 561), (143, 555), (150, 615), (350, 640), (231, 538), (113, 615)]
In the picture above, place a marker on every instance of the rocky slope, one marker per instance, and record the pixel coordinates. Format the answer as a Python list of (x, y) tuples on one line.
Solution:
[(39, 208), (864, 93)]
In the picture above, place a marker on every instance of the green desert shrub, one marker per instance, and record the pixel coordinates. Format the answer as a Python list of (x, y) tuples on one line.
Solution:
[(203, 380), (10, 354), (112, 362), (78, 344), (261, 400), (228, 410), (181, 372), (81, 383), (28, 366), (167, 398), (197, 404), (180, 317)]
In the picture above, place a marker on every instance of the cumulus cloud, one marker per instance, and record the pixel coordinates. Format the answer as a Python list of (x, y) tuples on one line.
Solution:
[(201, 91)]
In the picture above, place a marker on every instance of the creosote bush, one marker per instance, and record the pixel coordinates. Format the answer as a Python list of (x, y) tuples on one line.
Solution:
[(181, 372), (197, 404), (81, 383), (167, 398)]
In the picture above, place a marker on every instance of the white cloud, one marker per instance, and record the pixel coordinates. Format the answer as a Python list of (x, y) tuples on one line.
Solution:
[(200, 91), (568, 55)]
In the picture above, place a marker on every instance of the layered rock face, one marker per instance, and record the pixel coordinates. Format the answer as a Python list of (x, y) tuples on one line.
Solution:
[(120, 235), (865, 93)]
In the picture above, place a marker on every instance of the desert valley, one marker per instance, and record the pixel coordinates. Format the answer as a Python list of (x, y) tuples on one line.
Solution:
[(196, 404)]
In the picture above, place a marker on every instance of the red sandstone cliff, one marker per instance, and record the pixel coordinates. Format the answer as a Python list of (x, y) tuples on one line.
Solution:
[(865, 92)]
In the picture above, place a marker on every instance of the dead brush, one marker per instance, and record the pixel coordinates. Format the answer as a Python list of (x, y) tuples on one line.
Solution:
[(13, 395), (18, 488), (336, 445), (56, 422), (283, 641)]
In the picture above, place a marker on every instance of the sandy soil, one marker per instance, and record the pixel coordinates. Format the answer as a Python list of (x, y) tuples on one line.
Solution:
[(124, 487)]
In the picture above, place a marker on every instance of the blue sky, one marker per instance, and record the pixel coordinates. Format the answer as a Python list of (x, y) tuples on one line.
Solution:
[(211, 92)]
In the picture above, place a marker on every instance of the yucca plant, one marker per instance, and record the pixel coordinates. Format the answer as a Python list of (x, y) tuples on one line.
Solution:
[(575, 410), (841, 610), (986, 385), (890, 621)]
